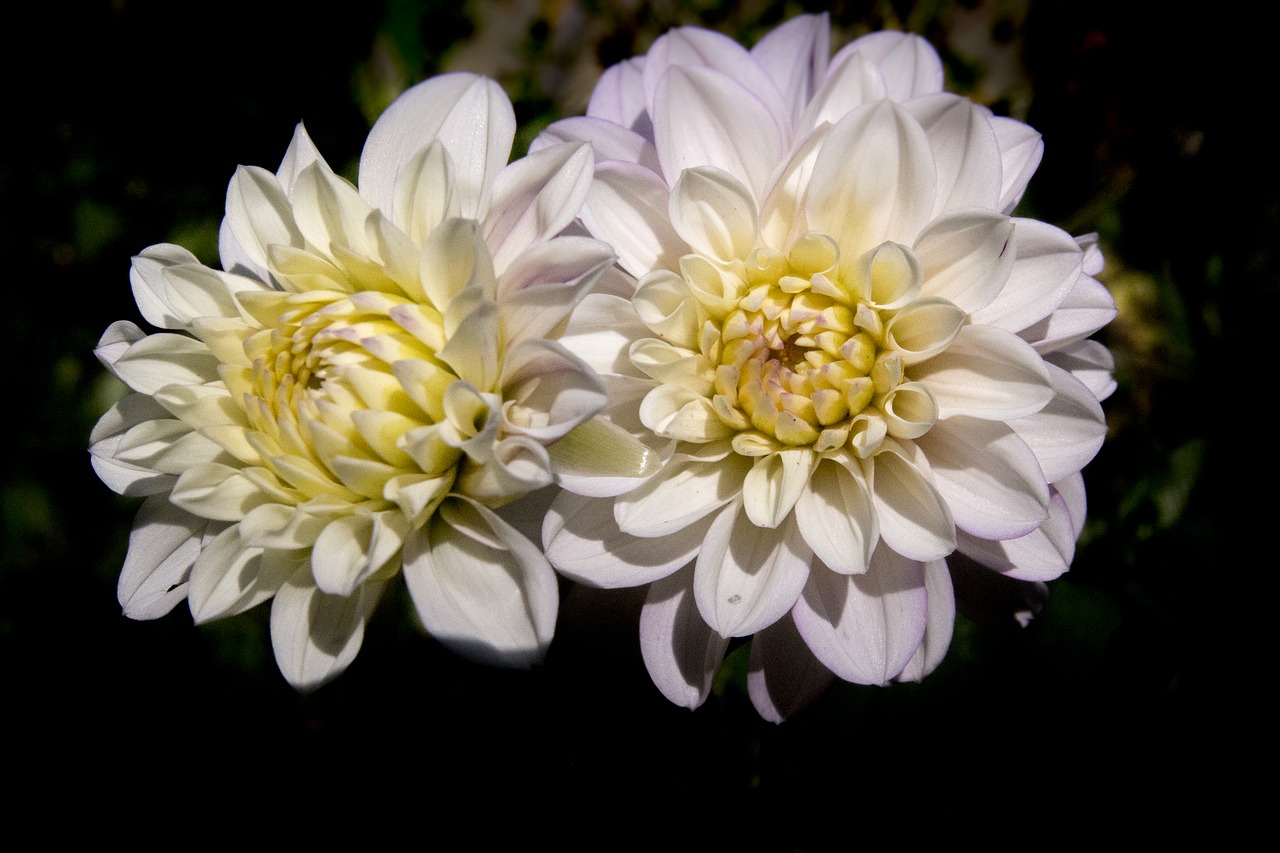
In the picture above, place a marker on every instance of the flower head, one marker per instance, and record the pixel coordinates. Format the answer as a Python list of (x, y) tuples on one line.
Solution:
[(853, 360), (361, 388)]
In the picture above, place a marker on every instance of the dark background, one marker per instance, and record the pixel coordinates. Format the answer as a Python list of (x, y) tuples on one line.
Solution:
[(1136, 693)]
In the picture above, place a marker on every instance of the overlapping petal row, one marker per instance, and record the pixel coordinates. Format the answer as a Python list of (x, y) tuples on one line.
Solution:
[(853, 361), (369, 379)]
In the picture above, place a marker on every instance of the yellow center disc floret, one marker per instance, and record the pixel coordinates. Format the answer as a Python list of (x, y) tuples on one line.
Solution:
[(794, 350)]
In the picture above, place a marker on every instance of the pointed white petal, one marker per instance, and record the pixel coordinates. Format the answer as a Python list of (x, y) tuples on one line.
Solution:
[(539, 288), (939, 626), (837, 519), (231, 576), (680, 650), (784, 677), (794, 55), (747, 577), (852, 82), (865, 628), (535, 198), (163, 544), (683, 492), (909, 64), (470, 115), (989, 477), (166, 359), (1066, 433), (1041, 555), (548, 390), (966, 257), (628, 207), (714, 213), (115, 342), (316, 636), (1046, 267), (1020, 151), (481, 588), (259, 215), (145, 274), (610, 141), (986, 373), (618, 97), (1086, 309), (914, 518), (1090, 362), (700, 49), (965, 150), (583, 541), (704, 117), (874, 180), (774, 484)]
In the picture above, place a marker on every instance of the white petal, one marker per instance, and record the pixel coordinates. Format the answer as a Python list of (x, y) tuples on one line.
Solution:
[(610, 140), (480, 587), (424, 194), (619, 97), (259, 215), (115, 342), (549, 391), (939, 626), (1020, 151), (989, 477), (967, 257), (146, 276), (1090, 362), (965, 151), (914, 518), (774, 484), (600, 332), (784, 677), (986, 373), (909, 64), (1086, 309), (163, 544), (470, 115), (1066, 433), (865, 628), (601, 459), (703, 117), (329, 212), (850, 83), (714, 213), (535, 198), (837, 519), (794, 55), (700, 49), (316, 636), (539, 288), (166, 359), (1047, 264), (680, 650), (231, 576), (874, 180), (747, 577), (583, 541), (352, 548), (1041, 555), (683, 492), (627, 207)]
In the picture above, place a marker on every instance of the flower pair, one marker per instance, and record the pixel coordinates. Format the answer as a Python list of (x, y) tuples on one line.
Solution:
[(805, 355)]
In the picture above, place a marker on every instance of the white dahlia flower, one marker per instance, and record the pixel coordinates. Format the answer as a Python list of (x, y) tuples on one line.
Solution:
[(849, 356), (360, 388)]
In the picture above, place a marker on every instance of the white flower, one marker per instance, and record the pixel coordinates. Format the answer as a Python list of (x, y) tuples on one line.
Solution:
[(368, 379), (852, 359)]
